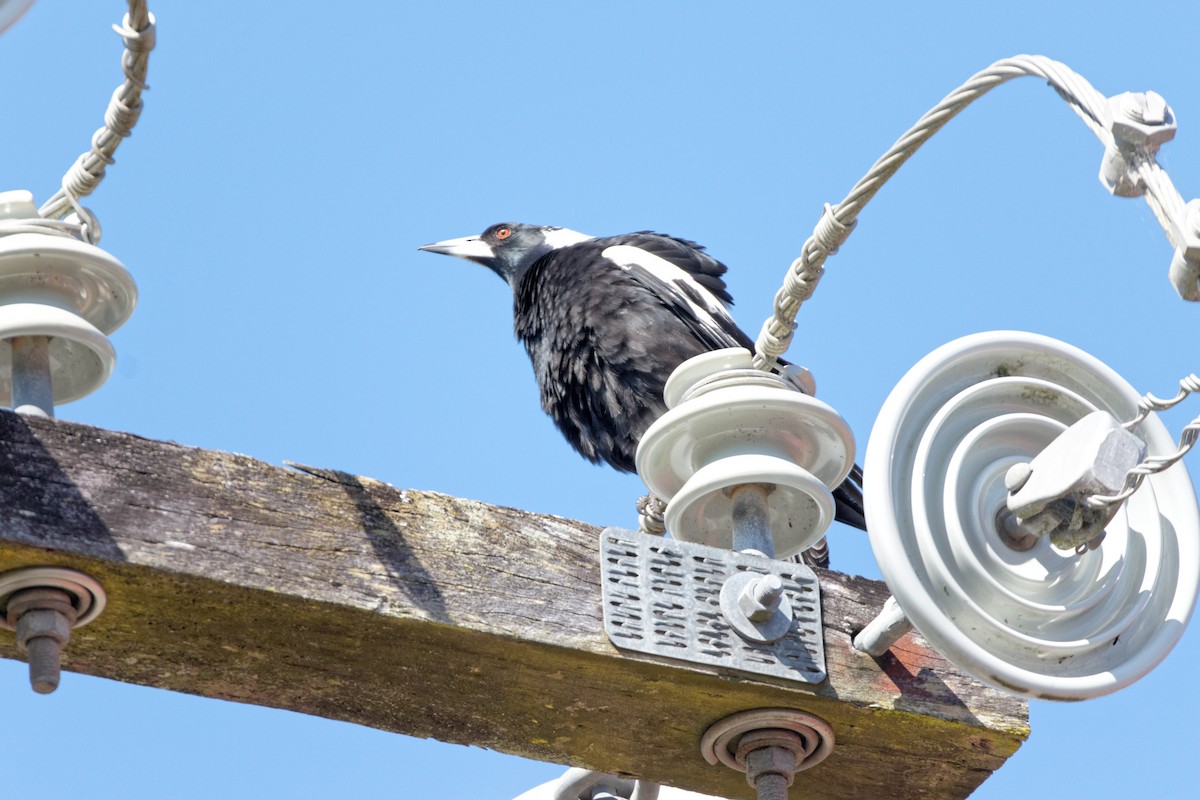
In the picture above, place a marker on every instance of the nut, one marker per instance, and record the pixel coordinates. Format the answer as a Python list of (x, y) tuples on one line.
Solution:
[(1143, 121), (759, 600), (42, 622), (770, 761), (39, 597)]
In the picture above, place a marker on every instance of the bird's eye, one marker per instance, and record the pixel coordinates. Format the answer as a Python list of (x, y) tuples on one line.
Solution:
[(503, 233)]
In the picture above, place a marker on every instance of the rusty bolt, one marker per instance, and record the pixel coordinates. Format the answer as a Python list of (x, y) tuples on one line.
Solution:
[(771, 757), (43, 618)]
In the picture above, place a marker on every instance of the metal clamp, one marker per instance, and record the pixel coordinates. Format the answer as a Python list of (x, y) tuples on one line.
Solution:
[(1047, 494)]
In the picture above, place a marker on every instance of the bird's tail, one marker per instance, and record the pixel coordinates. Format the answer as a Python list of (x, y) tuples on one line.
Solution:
[(848, 500), (817, 555)]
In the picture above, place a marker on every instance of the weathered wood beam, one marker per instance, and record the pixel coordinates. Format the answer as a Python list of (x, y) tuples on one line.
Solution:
[(415, 612)]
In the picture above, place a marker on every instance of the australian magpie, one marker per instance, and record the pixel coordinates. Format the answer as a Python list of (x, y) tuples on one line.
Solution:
[(605, 321)]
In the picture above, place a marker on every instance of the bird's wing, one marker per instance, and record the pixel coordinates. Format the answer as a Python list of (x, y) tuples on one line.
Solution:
[(683, 293), (684, 254)]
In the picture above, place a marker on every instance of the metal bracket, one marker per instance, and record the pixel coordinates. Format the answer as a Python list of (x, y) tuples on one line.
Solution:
[(1091, 457), (663, 597)]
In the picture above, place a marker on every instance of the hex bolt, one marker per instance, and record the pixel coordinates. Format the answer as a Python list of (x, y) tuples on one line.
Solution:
[(770, 757), (43, 618), (770, 745), (756, 607), (760, 599), (1141, 124), (1142, 120), (1148, 108)]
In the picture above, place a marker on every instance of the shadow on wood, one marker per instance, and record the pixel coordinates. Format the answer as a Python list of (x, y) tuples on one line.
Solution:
[(415, 612)]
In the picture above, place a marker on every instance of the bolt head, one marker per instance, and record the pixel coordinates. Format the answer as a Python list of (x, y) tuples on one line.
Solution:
[(1017, 476)]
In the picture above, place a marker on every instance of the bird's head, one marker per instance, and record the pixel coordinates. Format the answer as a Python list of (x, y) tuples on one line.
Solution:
[(508, 248)]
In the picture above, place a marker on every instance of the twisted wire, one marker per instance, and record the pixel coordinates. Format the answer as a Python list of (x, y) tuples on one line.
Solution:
[(124, 108), (1149, 403), (1154, 464), (1162, 196), (651, 511), (838, 221)]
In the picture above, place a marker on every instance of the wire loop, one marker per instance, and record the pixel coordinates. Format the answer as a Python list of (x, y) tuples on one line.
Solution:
[(837, 221)]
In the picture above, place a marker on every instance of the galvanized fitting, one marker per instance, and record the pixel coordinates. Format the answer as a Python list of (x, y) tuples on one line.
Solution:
[(762, 598), (1141, 124), (884, 631), (42, 605), (669, 599), (1142, 120), (756, 607), (1185, 265), (1048, 495)]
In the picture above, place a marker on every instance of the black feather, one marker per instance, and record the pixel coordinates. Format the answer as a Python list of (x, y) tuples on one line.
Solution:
[(603, 335)]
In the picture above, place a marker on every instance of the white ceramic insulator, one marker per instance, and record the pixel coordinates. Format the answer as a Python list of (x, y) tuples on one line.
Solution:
[(11, 11), (730, 425), (554, 790), (1043, 622), (73, 292), (799, 506), (81, 357)]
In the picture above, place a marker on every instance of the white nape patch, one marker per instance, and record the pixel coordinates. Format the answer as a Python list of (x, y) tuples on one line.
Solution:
[(627, 257), (563, 237)]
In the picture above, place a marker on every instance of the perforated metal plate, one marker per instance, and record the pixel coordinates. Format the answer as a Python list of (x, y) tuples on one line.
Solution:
[(663, 597)]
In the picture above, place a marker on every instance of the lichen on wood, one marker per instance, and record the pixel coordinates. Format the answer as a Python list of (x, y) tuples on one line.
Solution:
[(340, 596)]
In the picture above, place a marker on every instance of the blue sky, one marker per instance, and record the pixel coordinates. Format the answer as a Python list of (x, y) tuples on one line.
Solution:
[(287, 166)]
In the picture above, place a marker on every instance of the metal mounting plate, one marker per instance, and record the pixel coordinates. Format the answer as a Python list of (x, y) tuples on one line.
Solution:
[(663, 597)]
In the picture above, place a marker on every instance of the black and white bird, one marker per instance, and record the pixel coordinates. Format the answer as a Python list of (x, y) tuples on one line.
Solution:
[(605, 321)]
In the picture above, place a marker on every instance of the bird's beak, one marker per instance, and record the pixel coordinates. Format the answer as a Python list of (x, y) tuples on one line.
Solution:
[(471, 248)]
